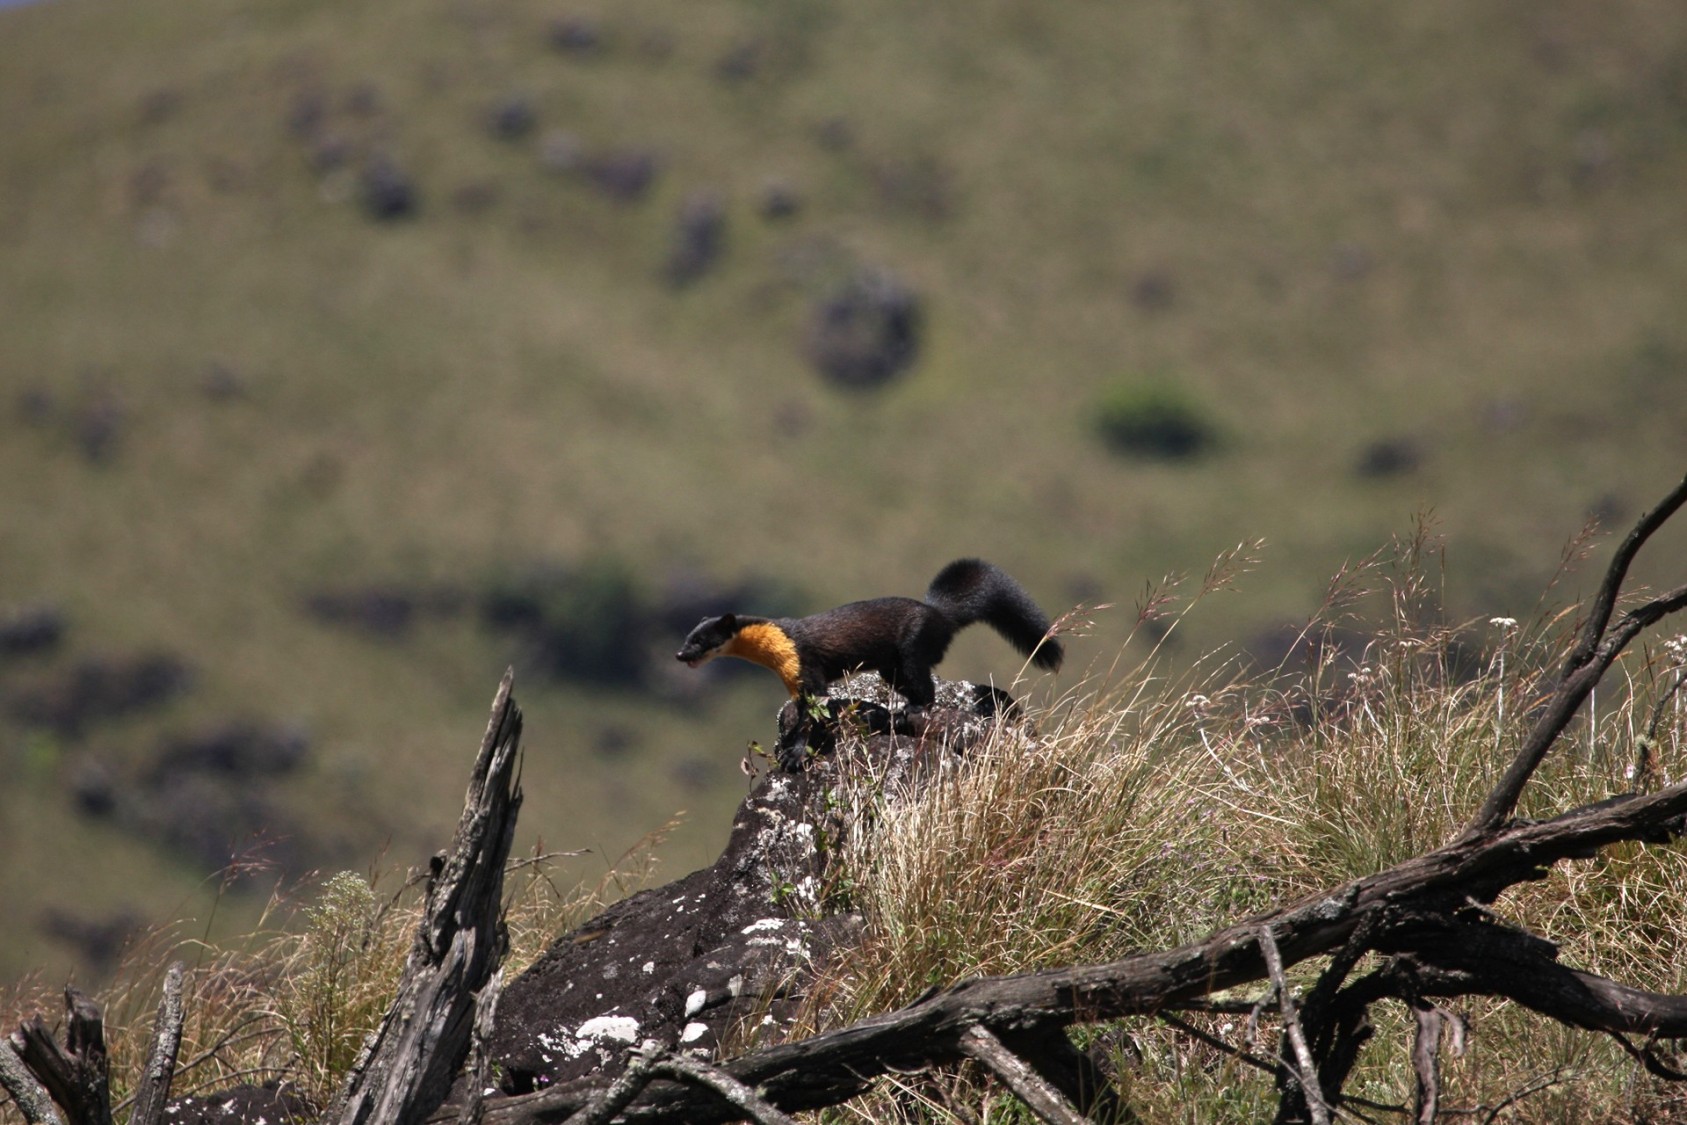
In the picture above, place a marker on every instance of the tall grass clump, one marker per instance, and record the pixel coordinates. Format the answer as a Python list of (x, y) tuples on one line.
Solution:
[(1145, 810)]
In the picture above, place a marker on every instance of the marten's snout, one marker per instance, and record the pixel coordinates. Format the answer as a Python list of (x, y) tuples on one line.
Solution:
[(694, 652), (705, 641)]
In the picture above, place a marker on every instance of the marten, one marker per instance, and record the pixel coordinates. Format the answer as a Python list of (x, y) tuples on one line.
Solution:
[(899, 638)]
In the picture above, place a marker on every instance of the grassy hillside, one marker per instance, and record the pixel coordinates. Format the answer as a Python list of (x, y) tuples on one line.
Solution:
[(1441, 242)]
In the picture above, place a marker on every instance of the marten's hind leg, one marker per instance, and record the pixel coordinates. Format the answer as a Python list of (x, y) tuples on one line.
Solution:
[(912, 681)]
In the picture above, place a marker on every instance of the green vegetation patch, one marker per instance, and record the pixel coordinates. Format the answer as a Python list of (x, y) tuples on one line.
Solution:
[(1155, 419)]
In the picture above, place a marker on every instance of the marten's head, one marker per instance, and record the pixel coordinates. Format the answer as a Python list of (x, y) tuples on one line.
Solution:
[(708, 640), (755, 639)]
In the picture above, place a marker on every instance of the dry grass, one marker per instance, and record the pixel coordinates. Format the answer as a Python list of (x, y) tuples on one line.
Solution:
[(1146, 813), (1135, 812), (295, 999)]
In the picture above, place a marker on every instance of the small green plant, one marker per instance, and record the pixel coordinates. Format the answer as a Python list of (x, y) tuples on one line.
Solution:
[(339, 980), (1155, 420)]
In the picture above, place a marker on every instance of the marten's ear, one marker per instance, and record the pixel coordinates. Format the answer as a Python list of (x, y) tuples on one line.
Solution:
[(727, 621)]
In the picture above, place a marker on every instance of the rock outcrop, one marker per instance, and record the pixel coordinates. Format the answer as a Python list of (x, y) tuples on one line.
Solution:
[(729, 950)]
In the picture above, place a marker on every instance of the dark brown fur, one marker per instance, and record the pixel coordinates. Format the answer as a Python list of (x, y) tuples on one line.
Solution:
[(902, 639)]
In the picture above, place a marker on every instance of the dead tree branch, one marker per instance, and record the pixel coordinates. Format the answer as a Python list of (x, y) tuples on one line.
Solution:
[(27, 1093), (1599, 646), (76, 1075), (1296, 1052), (1050, 1053), (1048, 1104), (620, 1093), (407, 1066), (153, 1089), (1426, 1051), (683, 1068)]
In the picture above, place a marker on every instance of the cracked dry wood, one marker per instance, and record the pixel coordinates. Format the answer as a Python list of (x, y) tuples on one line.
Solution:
[(409, 1063)]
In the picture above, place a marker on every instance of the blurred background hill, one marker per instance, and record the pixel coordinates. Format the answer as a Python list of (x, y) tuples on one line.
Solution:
[(356, 350)]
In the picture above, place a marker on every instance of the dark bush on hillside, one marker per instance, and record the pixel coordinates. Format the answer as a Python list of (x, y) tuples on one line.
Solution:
[(237, 749), (624, 175), (1394, 457), (210, 820), (594, 621), (35, 406), (98, 939), (690, 596), (779, 200), (98, 426), (387, 190), (512, 119), (1156, 421), (866, 332), (200, 794), (96, 689), (379, 611), (1154, 290), (385, 609), (586, 622), (699, 237), (28, 630), (575, 35)]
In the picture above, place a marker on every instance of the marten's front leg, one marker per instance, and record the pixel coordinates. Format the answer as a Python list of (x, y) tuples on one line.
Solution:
[(809, 733)]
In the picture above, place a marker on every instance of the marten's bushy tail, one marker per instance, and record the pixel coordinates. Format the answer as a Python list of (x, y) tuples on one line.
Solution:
[(969, 590)]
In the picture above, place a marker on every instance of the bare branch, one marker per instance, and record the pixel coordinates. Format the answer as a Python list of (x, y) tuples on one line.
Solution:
[(1566, 700), (1426, 1050), (153, 1089), (1049, 1051), (1592, 656), (1529, 1089), (1305, 1071), (1485, 958), (76, 1075), (620, 1093), (740, 1096), (1605, 601), (1039, 1096), (28, 1094)]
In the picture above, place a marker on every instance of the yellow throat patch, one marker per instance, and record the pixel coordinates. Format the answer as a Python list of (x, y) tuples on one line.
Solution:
[(770, 646)]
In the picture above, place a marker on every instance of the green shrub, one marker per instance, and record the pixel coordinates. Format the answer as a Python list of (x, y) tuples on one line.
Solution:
[(1156, 420), (587, 621)]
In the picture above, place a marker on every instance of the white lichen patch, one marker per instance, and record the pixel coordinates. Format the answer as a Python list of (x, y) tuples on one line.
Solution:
[(693, 1032), (622, 1029), (592, 1033), (694, 1003)]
